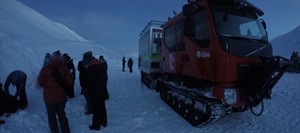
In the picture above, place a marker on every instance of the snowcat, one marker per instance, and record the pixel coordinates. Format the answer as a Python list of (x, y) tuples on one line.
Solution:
[(212, 59)]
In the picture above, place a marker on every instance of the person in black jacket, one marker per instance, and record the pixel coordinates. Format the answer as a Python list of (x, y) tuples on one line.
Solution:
[(8, 104), (130, 64), (17, 78), (87, 57), (2, 100), (96, 85), (2, 103), (123, 64), (69, 63), (295, 57), (104, 77)]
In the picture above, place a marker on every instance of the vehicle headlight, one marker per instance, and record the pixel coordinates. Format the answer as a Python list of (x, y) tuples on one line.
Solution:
[(230, 96)]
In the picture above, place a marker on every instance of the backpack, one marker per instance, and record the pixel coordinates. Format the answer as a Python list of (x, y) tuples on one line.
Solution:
[(61, 81)]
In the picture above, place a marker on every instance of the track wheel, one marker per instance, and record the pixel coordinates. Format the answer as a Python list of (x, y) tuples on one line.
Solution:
[(181, 107)]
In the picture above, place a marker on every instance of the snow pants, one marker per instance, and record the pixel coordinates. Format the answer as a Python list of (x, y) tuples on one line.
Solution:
[(99, 113), (23, 99), (59, 110)]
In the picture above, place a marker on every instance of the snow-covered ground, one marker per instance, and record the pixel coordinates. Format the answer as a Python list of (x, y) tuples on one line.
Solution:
[(132, 108)]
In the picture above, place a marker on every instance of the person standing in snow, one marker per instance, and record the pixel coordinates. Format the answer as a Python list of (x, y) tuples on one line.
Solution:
[(130, 64), (17, 78), (96, 87), (87, 57), (123, 64), (2, 104), (296, 59), (53, 78), (104, 78), (69, 63), (46, 59)]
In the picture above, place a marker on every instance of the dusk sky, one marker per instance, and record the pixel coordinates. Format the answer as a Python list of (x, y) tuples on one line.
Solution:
[(117, 23)]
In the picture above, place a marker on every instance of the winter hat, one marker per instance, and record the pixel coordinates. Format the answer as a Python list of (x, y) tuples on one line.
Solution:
[(56, 54), (87, 55), (47, 55), (87, 58), (66, 56)]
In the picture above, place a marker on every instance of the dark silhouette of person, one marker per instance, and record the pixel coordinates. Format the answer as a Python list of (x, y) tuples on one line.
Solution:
[(83, 79), (157, 40), (295, 57), (96, 85), (69, 63), (2, 103), (17, 78), (123, 64), (130, 64), (51, 78), (104, 78), (46, 59)]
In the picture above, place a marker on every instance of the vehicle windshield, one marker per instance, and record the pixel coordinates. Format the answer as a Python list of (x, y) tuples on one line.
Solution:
[(238, 22)]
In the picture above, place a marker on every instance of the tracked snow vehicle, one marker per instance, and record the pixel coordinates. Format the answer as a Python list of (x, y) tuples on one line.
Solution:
[(215, 59), (150, 55)]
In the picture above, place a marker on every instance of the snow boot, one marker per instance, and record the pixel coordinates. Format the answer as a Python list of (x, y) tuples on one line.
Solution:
[(94, 127), (96, 124), (103, 121)]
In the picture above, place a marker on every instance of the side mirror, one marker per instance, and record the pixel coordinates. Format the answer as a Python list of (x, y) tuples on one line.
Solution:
[(263, 23), (189, 27), (188, 9)]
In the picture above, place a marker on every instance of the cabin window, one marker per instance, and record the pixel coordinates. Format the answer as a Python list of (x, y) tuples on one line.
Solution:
[(179, 36), (169, 39), (202, 31)]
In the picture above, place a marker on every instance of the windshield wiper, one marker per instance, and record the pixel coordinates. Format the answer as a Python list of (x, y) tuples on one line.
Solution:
[(237, 37), (255, 51), (244, 38)]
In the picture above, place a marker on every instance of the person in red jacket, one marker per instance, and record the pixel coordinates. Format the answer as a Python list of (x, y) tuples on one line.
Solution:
[(55, 96), (97, 78)]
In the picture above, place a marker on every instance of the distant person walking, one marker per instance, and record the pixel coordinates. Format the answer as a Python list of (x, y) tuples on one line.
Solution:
[(130, 64), (55, 78), (18, 79), (123, 64), (70, 65)]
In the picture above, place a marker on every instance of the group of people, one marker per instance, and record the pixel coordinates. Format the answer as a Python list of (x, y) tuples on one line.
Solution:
[(11, 103), (129, 64), (57, 78)]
